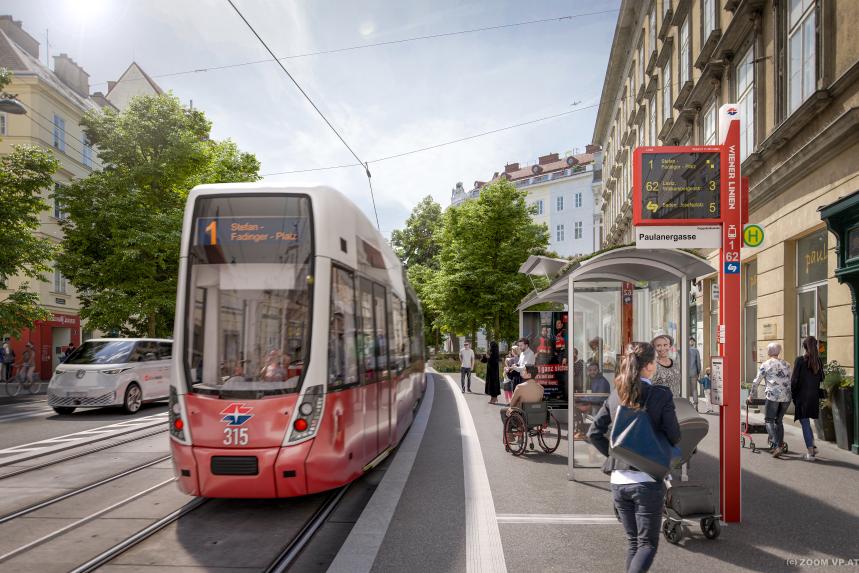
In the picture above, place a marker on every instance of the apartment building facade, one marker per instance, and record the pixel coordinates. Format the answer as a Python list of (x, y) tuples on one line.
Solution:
[(55, 101), (561, 192), (791, 66)]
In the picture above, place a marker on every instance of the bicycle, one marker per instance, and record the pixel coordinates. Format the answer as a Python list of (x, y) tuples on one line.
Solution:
[(18, 381)]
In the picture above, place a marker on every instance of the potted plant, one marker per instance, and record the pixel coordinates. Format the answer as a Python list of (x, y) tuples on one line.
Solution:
[(840, 390)]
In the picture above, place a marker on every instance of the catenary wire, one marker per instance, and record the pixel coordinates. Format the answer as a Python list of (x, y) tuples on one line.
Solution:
[(319, 111), (375, 45)]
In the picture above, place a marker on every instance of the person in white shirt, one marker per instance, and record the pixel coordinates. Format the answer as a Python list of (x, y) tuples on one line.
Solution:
[(466, 358), (526, 357)]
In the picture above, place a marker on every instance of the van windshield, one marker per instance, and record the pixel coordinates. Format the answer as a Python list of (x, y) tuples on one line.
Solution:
[(102, 352)]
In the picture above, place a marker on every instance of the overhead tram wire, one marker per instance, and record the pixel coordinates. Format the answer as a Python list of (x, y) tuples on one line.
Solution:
[(322, 115), (377, 44), (461, 139)]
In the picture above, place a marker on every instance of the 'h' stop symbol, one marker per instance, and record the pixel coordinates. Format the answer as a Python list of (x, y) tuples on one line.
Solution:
[(753, 235)]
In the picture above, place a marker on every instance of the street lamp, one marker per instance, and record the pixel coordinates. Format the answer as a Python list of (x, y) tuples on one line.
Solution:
[(9, 104)]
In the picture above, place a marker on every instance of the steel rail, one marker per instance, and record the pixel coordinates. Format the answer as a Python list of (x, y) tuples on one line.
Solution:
[(80, 490)]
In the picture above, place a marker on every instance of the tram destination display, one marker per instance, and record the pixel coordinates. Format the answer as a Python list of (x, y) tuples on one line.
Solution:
[(677, 185), (250, 239)]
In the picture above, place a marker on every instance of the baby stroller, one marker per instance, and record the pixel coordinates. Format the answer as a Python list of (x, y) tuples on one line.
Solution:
[(687, 504), (747, 428)]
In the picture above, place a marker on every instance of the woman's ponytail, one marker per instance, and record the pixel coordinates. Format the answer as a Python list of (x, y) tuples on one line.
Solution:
[(628, 384)]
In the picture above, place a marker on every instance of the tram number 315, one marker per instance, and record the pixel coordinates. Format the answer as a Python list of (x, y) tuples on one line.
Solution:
[(235, 436)]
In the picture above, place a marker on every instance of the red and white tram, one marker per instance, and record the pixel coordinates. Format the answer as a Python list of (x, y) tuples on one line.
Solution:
[(298, 348)]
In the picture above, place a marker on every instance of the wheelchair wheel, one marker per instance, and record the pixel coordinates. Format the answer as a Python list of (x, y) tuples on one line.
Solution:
[(550, 435), (515, 434)]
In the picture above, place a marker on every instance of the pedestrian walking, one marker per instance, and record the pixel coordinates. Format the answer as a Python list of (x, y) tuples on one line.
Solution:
[(693, 358), (466, 359), (493, 378), (8, 359), (775, 375), (805, 391), (667, 371), (69, 349), (704, 382), (638, 497), (512, 377)]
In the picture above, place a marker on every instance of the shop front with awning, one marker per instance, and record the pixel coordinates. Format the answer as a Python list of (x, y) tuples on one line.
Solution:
[(590, 312)]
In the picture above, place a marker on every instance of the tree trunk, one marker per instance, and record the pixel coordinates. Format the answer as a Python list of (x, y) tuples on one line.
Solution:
[(152, 324), (454, 342)]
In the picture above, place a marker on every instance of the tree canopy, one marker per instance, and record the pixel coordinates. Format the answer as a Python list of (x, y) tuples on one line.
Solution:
[(124, 223), (24, 173)]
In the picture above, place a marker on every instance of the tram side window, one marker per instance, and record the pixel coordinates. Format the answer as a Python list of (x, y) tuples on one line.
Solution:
[(342, 351), (398, 338), (366, 333), (381, 337)]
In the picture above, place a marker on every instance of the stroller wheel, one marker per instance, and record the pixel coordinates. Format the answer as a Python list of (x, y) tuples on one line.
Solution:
[(752, 446), (672, 531), (784, 448), (743, 442), (710, 527)]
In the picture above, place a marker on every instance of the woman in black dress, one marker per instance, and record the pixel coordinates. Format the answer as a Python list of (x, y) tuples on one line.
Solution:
[(493, 378), (805, 390)]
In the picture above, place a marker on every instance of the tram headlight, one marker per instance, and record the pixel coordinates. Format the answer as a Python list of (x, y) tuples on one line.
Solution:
[(310, 412)]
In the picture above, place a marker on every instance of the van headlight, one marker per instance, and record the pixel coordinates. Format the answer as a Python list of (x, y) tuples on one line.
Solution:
[(115, 371)]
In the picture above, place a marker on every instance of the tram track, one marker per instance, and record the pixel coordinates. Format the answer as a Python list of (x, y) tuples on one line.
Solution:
[(83, 453)]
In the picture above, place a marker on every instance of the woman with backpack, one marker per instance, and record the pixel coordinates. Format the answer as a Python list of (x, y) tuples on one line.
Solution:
[(639, 498), (805, 389)]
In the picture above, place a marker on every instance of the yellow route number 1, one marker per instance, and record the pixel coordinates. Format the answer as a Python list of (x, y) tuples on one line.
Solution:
[(212, 229)]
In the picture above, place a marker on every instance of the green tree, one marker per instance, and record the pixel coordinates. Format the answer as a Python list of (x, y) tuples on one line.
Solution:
[(483, 244), (122, 233), (418, 248), (24, 173)]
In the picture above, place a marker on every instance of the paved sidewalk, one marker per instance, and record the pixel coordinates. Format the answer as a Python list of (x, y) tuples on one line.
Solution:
[(466, 494)]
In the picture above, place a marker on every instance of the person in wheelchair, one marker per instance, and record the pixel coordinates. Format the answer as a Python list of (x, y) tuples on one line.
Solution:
[(529, 391)]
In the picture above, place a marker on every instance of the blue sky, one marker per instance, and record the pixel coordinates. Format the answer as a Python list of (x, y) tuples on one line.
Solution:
[(384, 100)]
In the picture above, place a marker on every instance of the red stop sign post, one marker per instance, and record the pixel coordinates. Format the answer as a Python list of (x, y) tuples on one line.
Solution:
[(694, 185)]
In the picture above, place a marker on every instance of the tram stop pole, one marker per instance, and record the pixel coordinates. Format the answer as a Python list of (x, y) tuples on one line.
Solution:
[(729, 333)]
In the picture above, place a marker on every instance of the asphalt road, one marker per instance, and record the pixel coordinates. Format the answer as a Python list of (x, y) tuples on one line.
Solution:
[(30, 419)]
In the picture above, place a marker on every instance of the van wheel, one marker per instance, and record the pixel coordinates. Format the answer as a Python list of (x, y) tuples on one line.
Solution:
[(133, 398), (63, 410)]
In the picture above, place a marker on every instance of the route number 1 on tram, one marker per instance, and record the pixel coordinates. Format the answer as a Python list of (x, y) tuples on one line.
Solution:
[(235, 436)]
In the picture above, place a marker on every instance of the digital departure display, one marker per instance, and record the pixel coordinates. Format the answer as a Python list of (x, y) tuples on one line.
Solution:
[(680, 185), (225, 230)]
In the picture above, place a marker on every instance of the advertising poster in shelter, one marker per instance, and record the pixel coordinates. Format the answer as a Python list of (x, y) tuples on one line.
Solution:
[(548, 334)]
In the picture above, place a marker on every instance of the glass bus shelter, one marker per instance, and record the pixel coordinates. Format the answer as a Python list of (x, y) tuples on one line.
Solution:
[(580, 325)]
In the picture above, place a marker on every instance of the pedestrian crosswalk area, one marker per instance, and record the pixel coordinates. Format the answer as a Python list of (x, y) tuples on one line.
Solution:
[(39, 448)]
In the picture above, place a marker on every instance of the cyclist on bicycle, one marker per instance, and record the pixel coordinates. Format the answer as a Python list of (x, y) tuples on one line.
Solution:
[(28, 362)]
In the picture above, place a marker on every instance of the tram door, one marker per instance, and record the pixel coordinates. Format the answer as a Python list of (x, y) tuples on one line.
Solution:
[(369, 371), (383, 368)]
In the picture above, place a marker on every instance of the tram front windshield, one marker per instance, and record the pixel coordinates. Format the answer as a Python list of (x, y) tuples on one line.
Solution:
[(249, 295)]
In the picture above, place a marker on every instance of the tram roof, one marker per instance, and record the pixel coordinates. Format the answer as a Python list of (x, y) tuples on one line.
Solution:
[(626, 264)]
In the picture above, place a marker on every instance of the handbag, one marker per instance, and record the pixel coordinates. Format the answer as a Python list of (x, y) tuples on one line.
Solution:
[(635, 442)]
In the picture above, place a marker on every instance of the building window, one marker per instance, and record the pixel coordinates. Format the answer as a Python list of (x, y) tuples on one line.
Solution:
[(559, 203), (539, 205), (58, 208), (87, 152), (811, 292), (651, 121), (746, 101), (59, 282), (685, 52), (750, 322), (708, 18), (641, 78), (59, 133), (3, 125), (709, 125), (800, 52), (651, 33), (577, 229), (559, 233), (578, 200), (666, 91)]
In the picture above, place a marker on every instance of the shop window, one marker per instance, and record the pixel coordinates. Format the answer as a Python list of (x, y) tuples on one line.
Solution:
[(811, 273)]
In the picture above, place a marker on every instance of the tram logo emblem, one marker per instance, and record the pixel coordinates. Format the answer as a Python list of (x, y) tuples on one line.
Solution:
[(732, 111), (236, 414)]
